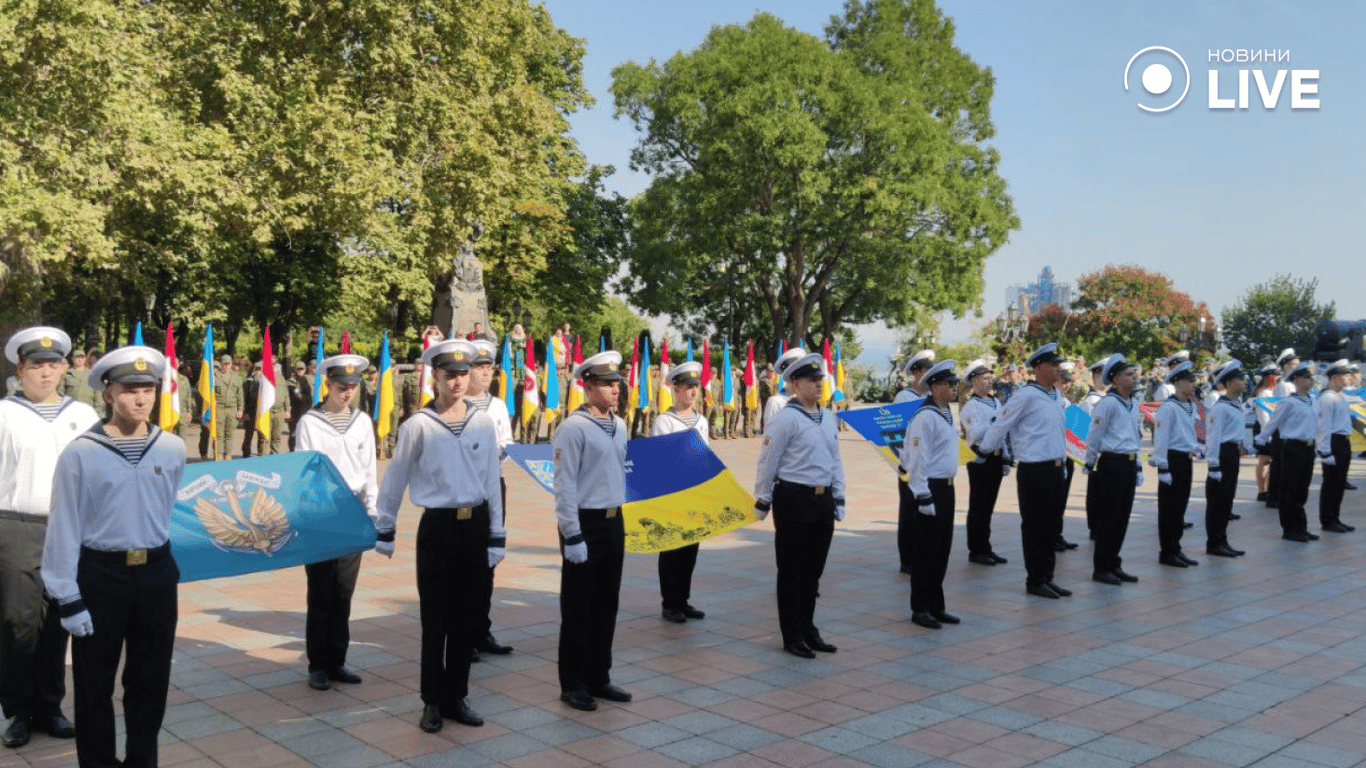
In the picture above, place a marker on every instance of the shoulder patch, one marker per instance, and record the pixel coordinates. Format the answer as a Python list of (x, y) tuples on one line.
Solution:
[(767, 439), (557, 454)]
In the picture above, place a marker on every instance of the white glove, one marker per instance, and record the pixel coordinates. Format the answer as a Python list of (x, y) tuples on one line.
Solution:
[(760, 512), (1138, 480), (1330, 460), (839, 512), (496, 555), (1063, 468), (1216, 475), (1005, 470), (576, 553), (385, 548), (1086, 469), (1164, 477), (79, 625), (926, 506)]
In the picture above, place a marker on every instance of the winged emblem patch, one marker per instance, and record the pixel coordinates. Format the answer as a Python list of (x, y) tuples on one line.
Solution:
[(264, 529)]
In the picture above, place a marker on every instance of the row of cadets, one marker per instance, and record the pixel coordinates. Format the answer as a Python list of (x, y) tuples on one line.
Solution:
[(447, 459), (107, 560), (676, 565), (590, 489), (801, 478), (1166, 389), (1033, 420), (1225, 445), (1174, 447), (347, 437), (905, 525), (1112, 445), (929, 461), (985, 472), (778, 400), (1295, 424), (1286, 362), (1334, 446), (36, 423), (1088, 404), (481, 380)]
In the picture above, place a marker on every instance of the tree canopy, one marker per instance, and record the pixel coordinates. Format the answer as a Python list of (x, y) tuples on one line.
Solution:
[(1271, 316)]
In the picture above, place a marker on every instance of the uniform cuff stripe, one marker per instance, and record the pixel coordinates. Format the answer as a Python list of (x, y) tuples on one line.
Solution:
[(572, 540), (500, 542), (384, 536), (67, 610)]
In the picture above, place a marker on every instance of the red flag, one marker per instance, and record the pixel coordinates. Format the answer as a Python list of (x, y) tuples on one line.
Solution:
[(706, 365), (346, 343), (170, 387), (633, 390), (748, 378), (266, 388), (531, 400)]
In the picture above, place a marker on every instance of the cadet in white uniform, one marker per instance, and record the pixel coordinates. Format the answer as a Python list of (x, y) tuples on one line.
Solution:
[(108, 560), (346, 436), (1166, 389), (985, 472), (1334, 447), (778, 400), (1033, 419), (676, 565), (1225, 445), (590, 488), (1112, 444), (929, 459), (1286, 362), (913, 370), (447, 460), (35, 425), (1174, 446), (481, 378), (1088, 404), (1297, 425), (906, 504), (801, 478)]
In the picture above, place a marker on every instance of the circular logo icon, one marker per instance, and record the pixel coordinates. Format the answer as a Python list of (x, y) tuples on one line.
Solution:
[(140, 364), (1157, 78)]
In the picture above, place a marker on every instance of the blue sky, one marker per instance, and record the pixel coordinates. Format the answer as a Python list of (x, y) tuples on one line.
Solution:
[(1219, 200)]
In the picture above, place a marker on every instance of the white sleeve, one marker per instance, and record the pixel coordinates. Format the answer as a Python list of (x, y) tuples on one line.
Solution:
[(369, 495), (833, 432), (1326, 407), (568, 457), (303, 434), (1100, 422), (913, 458), (1272, 424), (1162, 436), (996, 433), (776, 436), (493, 488), (62, 547), (407, 450)]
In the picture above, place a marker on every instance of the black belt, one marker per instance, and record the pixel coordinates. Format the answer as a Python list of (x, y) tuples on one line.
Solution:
[(1120, 456), (1030, 464), (462, 513), (818, 490), (23, 517), (129, 557), (1305, 444), (944, 481), (1234, 443), (608, 512)]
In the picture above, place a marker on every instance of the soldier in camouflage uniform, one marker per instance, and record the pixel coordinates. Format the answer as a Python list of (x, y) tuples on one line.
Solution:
[(227, 390), (251, 378)]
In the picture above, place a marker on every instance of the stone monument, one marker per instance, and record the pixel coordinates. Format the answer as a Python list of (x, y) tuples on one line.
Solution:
[(463, 303)]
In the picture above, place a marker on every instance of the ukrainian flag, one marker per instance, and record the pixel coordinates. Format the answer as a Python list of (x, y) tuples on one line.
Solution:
[(505, 389), (319, 381), (552, 382), (205, 385), (384, 401), (727, 385)]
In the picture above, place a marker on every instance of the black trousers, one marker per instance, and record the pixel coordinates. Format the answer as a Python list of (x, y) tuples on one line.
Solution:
[(803, 525), (1219, 495), (933, 540), (589, 594), (327, 628), (484, 626), (32, 641), (1069, 468), (1276, 472), (1039, 486), (452, 565), (132, 607), (905, 526), (675, 576), (1335, 480), (1297, 469), (1172, 500), (1110, 493), (984, 485)]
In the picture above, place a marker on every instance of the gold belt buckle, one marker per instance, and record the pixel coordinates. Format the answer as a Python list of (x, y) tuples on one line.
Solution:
[(135, 557), (1132, 456), (464, 513), (612, 512), (1057, 462), (820, 490), (903, 477), (949, 482)]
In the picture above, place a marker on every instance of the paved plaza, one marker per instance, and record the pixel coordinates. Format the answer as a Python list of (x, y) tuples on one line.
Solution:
[(1255, 661)]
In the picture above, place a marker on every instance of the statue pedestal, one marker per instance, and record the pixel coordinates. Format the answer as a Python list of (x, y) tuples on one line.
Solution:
[(464, 302)]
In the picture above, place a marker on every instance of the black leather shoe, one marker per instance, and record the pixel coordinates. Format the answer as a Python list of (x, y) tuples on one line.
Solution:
[(343, 674), (945, 617), (463, 714), (58, 727), (693, 613), (1238, 552), (999, 560), (1042, 590), (1106, 577), (1234, 516), (675, 616), (611, 693), (1172, 560), (982, 559), (431, 719), (579, 700), (475, 658), (1349, 528), (1312, 536), (1273, 504), (1189, 560), (1065, 544), (1262, 496), (1336, 528), (1299, 536), (1188, 524), (1348, 487), (906, 569), (491, 645), (318, 681), (1053, 585), (817, 643), (801, 649), (17, 734), (1221, 550), (1124, 576), (924, 619)]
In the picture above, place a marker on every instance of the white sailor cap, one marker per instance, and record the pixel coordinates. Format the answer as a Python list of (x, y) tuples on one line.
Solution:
[(1233, 369), (450, 355), (810, 366), (1048, 353), (1177, 358), (344, 369), (1300, 370), (687, 373), (940, 373), (127, 365), (788, 358), (1114, 366), (484, 351), (39, 343), (1099, 365), (922, 359), (604, 366), (976, 368), (1067, 368), (1343, 366), (1285, 356), (1181, 371)]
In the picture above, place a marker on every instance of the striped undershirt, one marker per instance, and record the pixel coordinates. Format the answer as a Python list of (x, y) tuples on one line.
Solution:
[(480, 403), (816, 417), (689, 418), (48, 411), (340, 420), (132, 448), (608, 423)]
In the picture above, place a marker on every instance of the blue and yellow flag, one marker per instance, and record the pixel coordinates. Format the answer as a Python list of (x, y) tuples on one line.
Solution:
[(249, 515), (552, 382), (885, 427), (137, 334), (384, 399), (677, 491), (318, 379), (839, 375), (205, 386), (505, 388), (689, 349), (727, 387), (643, 376)]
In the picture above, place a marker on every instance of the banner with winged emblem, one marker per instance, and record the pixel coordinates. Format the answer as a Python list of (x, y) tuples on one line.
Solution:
[(885, 427), (249, 515)]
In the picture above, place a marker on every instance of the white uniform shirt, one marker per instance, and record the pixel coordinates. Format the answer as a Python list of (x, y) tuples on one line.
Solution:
[(1164, 392), (1262, 416), (103, 501), (29, 447), (799, 450), (1335, 418), (907, 395), (502, 423), (352, 451), (1224, 423), (1088, 403), (976, 415), (441, 469), (1033, 418), (930, 450), (772, 406), (1294, 419), (590, 468), (1173, 430), (1284, 388), (670, 422), (1115, 425)]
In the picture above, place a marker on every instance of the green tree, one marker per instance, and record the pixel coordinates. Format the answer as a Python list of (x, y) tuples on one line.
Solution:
[(803, 184), (1125, 309), (1271, 316)]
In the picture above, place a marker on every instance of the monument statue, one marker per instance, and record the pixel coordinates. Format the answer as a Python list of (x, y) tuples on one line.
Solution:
[(464, 302)]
